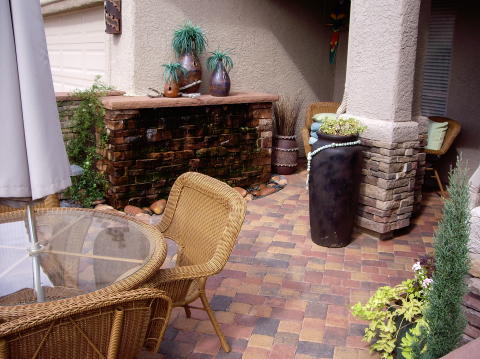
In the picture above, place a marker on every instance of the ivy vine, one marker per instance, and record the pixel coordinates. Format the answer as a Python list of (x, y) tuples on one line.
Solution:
[(83, 149)]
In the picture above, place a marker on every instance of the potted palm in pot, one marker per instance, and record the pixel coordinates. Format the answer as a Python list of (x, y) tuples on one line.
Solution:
[(220, 63), (285, 150), (334, 167), (172, 76), (189, 41)]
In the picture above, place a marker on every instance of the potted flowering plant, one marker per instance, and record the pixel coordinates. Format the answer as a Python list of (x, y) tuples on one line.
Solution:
[(396, 313)]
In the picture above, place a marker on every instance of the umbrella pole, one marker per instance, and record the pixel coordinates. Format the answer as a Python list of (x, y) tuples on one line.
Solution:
[(34, 252)]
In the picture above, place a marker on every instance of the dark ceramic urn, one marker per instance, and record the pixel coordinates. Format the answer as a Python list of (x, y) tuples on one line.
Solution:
[(220, 81), (334, 184)]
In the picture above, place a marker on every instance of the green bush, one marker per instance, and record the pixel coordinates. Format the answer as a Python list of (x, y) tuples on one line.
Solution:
[(87, 120), (444, 314)]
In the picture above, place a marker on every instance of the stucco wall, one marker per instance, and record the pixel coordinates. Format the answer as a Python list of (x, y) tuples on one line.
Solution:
[(279, 46), (464, 91)]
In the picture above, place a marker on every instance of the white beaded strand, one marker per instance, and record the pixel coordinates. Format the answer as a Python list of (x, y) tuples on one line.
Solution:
[(332, 145)]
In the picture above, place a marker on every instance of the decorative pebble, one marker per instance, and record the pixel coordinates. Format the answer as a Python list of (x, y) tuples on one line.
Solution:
[(147, 210), (266, 191), (158, 206), (132, 210), (104, 207), (243, 192)]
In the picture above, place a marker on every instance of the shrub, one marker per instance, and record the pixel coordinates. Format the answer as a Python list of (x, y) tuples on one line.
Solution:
[(444, 315)]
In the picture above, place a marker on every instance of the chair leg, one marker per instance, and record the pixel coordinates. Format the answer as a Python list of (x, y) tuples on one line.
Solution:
[(439, 182), (188, 313), (216, 326)]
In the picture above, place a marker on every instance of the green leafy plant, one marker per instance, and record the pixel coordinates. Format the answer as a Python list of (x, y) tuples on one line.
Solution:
[(285, 115), (173, 72), (341, 127), (394, 310), (219, 56), (87, 121), (189, 38), (444, 315)]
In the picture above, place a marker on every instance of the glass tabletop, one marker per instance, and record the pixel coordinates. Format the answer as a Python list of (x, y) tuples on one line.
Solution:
[(81, 251)]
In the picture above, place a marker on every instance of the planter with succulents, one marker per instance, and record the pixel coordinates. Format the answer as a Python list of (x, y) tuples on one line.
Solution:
[(220, 63), (172, 75), (189, 42)]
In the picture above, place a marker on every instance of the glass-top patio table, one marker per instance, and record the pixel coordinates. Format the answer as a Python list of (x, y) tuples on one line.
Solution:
[(81, 251)]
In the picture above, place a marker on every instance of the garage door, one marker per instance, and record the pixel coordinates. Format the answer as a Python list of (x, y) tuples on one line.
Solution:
[(76, 47)]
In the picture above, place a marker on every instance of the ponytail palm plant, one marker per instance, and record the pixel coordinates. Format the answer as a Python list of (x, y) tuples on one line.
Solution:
[(189, 39), (220, 56), (173, 72)]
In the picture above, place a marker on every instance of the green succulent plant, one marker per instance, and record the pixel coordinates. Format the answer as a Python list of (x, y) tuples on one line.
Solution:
[(341, 127), (222, 56), (173, 72), (189, 38)]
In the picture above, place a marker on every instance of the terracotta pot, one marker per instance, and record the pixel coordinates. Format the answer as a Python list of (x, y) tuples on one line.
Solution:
[(220, 81), (191, 64), (334, 184), (284, 155), (171, 89)]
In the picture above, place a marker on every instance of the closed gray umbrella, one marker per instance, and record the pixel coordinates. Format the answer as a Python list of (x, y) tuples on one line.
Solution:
[(33, 161)]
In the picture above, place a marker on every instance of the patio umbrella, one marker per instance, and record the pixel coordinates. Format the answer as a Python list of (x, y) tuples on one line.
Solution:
[(33, 161)]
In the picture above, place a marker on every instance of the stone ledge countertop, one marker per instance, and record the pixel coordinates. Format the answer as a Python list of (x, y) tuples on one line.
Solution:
[(138, 102)]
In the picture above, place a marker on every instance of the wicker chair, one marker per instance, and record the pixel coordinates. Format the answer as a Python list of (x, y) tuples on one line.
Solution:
[(452, 132), (314, 108), (203, 216), (50, 201), (106, 326)]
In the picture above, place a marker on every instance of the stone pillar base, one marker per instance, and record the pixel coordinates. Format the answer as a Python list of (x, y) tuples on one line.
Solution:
[(389, 175)]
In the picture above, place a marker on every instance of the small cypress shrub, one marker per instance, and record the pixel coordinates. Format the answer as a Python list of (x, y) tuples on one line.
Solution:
[(444, 314)]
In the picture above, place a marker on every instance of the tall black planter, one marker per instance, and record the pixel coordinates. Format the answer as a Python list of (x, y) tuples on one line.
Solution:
[(333, 188)]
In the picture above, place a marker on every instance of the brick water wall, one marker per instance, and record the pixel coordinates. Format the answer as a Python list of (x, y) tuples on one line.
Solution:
[(148, 148)]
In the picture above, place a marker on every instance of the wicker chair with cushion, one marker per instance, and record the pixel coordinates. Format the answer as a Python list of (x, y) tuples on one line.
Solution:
[(314, 108), (95, 326), (203, 216), (453, 130), (50, 201)]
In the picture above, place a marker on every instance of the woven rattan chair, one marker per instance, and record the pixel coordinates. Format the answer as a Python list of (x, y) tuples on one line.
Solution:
[(203, 216), (96, 326), (452, 132), (50, 201), (314, 108)]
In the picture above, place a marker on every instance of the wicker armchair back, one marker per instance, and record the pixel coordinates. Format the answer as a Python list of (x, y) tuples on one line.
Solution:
[(314, 108), (203, 216), (97, 326)]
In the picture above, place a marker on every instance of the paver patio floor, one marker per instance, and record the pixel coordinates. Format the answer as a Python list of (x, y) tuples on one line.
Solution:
[(281, 296)]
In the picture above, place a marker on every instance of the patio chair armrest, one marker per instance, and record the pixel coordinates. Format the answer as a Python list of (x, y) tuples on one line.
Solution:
[(306, 137), (183, 273)]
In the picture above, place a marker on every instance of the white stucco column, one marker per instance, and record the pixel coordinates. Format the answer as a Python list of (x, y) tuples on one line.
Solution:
[(379, 88)]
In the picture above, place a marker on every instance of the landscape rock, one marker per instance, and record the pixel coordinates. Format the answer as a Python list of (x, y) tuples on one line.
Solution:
[(280, 180), (243, 192), (158, 206), (474, 285), (147, 210), (104, 207), (132, 210), (475, 264), (266, 191)]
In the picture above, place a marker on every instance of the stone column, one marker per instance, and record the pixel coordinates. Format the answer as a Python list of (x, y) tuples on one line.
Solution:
[(379, 87)]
